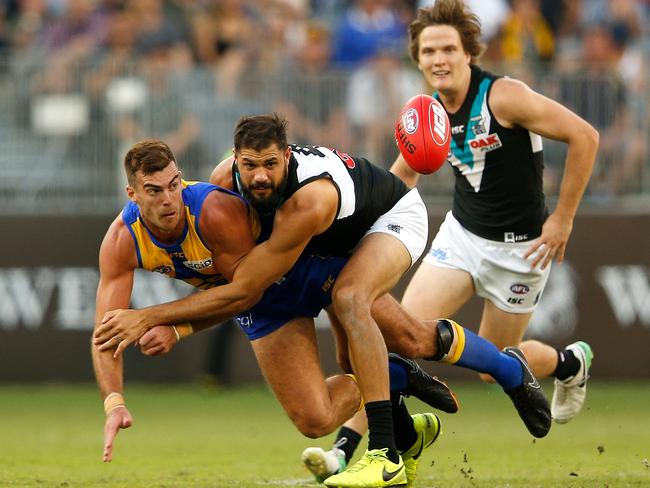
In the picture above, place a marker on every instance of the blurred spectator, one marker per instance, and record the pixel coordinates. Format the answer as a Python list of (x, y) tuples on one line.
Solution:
[(598, 93), (309, 93), (376, 94), (164, 112), (225, 35), (526, 36), (492, 14), (366, 27)]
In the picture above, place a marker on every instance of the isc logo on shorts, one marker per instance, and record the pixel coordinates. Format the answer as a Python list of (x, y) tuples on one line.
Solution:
[(245, 321)]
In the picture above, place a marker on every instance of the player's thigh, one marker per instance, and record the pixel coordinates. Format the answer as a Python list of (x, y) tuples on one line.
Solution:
[(289, 361), (437, 291), (375, 266), (502, 328)]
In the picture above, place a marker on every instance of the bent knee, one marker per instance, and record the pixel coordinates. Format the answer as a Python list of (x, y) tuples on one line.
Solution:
[(313, 425)]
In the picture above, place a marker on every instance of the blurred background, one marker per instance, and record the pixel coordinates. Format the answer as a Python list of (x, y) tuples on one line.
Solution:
[(82, 80)]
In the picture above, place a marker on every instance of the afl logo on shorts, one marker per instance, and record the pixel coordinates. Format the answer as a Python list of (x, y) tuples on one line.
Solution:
[(410, 121), (519, 288)]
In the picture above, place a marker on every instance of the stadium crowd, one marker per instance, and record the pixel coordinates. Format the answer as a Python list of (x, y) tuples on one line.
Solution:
[(101, 74)]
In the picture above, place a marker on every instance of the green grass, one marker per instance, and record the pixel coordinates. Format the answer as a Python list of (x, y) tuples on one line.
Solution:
[(188, 436)]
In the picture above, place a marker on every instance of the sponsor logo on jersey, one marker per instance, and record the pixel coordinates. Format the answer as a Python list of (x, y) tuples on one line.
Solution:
[(519, 288), (458, 129), (198, 265), (177, 254), (515, 301), (438, 123), (512, 237), (394, 228), (410, 121), (487, 143)]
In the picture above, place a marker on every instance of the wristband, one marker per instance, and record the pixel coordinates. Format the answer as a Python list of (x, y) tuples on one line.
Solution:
[(112, 401), (182, 331)]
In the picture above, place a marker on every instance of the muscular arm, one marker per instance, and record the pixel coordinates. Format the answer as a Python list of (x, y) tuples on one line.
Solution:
[(309, 212), (116, 264), (548, 118)]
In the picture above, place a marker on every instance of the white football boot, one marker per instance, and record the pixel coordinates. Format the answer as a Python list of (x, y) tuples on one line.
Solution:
[(569, 395)]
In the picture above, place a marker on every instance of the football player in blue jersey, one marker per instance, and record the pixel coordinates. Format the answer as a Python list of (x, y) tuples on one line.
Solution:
[(322, 201)]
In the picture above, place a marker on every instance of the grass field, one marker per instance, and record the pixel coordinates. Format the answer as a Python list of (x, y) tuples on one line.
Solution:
[(190, 436)]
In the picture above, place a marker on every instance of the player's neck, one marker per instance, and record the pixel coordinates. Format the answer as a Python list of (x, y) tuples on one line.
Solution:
[(453, 98), (166, 236)]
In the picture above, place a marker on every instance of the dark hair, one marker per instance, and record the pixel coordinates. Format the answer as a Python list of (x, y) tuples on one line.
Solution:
[(258, 132), (148, 156), (455, 14)]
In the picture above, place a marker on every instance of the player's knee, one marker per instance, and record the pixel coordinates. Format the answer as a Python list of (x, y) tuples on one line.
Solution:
[(313, 424), (486, 378), (349, 302)]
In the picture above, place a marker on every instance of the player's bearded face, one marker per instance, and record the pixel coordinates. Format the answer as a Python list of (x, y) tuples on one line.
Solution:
[(263, 175), (442, 58)]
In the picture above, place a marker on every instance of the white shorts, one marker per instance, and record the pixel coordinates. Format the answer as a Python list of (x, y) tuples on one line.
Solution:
[(499, 270), (407, 221)]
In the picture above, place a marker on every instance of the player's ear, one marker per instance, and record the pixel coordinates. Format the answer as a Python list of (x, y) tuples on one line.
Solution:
[(130, 193), (287, 154)]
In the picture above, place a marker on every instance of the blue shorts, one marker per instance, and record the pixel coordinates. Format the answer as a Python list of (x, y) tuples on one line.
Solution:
[(303, 292)]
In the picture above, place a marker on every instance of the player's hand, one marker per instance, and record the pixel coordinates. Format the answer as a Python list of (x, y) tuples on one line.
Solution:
[(118, 418), (119, 328), (158, 340), (552, 243)]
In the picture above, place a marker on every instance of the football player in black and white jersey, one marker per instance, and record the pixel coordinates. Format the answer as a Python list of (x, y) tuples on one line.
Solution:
[(317, 201), (498, 240)]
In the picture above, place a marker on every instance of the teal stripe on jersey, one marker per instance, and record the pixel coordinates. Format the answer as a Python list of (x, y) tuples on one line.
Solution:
[(465, 155)]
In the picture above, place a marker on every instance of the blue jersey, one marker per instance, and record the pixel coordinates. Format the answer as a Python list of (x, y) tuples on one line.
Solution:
[(303, 292), (187, 259)]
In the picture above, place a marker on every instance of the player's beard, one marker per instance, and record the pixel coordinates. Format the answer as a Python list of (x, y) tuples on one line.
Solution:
[(269, 203)]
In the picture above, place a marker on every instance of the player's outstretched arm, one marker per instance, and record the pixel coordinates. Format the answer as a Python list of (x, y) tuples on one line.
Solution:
[(550, 119), (116, 265), (308, 212)]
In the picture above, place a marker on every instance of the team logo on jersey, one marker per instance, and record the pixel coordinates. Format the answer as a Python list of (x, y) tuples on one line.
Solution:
[(438, 123), (410, 121), (479, 125), (163, 268), (487, 143), (519, 288), (198, 265)]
